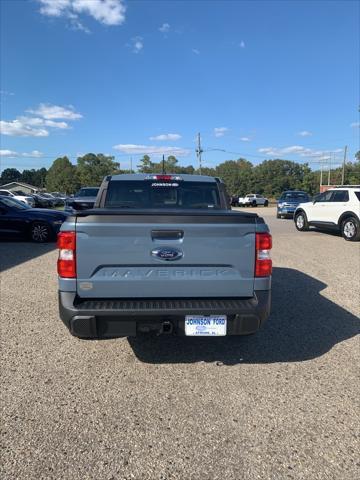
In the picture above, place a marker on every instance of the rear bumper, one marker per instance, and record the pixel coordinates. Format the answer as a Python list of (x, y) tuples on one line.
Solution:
[(117, 318)]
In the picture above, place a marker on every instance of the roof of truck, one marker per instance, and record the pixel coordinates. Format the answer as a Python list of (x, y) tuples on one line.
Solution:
[(184, 176)]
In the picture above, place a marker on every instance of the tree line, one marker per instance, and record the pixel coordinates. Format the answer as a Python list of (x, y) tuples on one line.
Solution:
[(270, 177)]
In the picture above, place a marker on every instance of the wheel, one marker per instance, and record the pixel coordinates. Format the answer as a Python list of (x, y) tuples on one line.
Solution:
[(278, 215), (266, 204), (350, 229), (301, 222), (40, 232)]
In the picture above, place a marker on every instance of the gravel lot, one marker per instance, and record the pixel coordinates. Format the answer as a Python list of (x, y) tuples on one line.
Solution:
[(282, 404)]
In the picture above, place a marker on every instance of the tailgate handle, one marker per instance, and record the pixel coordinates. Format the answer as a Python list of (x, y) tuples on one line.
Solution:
[(167, 234)]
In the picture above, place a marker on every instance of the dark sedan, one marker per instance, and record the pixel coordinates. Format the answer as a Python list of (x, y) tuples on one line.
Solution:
[(40, 201), (37, 225)]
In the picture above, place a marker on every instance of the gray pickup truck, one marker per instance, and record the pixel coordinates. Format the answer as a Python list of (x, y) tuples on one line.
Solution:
[(163, 253)]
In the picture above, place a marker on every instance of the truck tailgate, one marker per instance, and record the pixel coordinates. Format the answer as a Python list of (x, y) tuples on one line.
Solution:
[(117, 255)]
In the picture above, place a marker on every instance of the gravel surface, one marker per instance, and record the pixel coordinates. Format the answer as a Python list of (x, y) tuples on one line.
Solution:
[(281, 404)]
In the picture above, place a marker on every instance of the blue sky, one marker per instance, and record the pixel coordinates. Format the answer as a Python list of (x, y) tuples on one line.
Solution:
[(259, 79)]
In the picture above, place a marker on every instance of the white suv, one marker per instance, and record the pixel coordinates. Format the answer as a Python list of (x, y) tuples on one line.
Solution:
[(338, 208)]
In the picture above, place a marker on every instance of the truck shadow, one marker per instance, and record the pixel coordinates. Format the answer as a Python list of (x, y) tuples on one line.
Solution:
[(15, 252), (303, 325)]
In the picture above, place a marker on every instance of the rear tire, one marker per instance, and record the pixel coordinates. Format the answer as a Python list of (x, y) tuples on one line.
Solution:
[(266, 204), (278, 215), (350, 229), (40, 232), (301, 222)]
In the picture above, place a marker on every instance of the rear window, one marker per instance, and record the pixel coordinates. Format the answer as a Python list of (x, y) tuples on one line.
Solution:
[(295, 197), (158, 194), (87, 192)]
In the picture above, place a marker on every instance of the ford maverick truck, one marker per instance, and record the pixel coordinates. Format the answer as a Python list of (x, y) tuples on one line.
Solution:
[(165, 254)]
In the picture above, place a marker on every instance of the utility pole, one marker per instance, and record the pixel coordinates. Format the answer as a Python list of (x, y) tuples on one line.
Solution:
[(343, 167), (131, 171), (321, 173), (199, 151), (329, 172), (163, 164)]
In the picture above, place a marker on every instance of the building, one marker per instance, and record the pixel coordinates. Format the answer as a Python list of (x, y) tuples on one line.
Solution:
[(24, 187)]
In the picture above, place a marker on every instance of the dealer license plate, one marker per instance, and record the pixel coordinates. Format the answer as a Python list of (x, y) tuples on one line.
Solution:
[(201, 326)]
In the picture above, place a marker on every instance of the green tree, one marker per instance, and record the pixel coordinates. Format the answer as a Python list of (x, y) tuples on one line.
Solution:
[(237, 175), (10, 175), (62, 177), (34, 177), (274, 176), (92, 168), (145, 165), (171, 164)]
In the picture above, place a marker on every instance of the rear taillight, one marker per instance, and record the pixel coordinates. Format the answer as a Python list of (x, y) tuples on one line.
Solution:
[(263, 263), (66, 265)]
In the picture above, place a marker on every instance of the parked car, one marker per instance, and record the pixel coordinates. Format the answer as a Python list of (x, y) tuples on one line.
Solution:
[(18, 219), (61, 196), (337, 209), (288, 202), (54, 201), (82, 200), (18, 195), (147, 258), (41, 202), (253, 200), (234, 201)]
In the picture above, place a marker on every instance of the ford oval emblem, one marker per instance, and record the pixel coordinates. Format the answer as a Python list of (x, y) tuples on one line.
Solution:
[(169, 254)]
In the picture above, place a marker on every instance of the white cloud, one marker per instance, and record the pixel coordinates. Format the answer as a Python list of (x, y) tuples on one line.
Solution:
[(305, 133), (5, 93), (12, 154), (196, 51), (242, 44), (16, 128), (355, 125), (165, 28), (33, 154), (151, 150), (298, 150), (41, 122), (220, 131), (8, 153), (37, 126), (245, 139), (106, 12), (136, 44), (52, 112), (167, 136)]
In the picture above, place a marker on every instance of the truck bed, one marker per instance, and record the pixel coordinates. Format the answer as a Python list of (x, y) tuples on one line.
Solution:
[(116, 253)]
